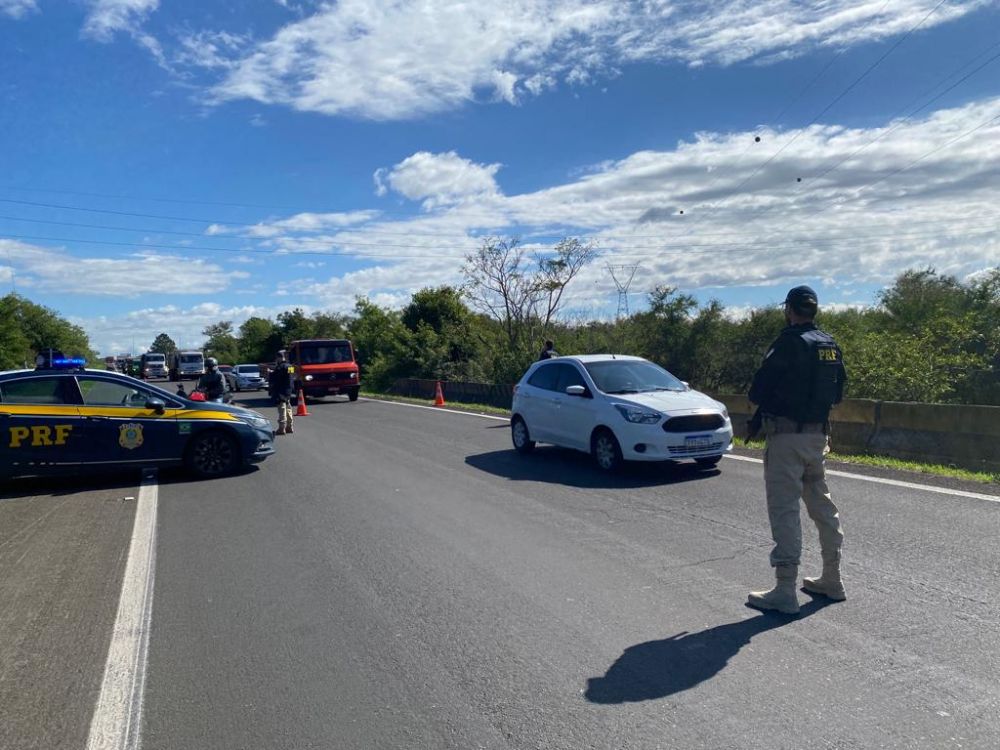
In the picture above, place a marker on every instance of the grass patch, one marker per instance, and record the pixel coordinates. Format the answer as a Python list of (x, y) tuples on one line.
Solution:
[(885, 462), (899, 464)]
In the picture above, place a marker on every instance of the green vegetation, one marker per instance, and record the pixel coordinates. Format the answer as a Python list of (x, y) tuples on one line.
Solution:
[(27, 328)]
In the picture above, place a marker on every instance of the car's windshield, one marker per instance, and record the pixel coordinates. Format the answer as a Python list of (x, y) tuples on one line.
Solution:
[(632, 376), (248, 370), (324, 354)]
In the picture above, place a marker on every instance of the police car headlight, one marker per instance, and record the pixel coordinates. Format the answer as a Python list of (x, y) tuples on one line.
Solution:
[(725, 413), (637, 415), (309, 377), (254, 421)]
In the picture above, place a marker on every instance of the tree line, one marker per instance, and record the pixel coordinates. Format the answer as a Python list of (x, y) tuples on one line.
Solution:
[(928, 337)]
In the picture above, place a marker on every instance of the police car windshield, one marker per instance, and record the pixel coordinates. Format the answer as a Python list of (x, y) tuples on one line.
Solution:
[(630, 376)]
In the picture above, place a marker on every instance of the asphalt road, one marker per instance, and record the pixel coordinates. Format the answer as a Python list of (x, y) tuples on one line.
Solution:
[(399, 578)]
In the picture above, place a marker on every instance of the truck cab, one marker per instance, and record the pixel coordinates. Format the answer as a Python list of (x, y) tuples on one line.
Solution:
[(189, 364), (324, 367), (153, 365)]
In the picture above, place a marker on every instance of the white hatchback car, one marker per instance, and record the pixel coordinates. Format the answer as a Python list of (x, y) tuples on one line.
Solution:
[(617, 408)]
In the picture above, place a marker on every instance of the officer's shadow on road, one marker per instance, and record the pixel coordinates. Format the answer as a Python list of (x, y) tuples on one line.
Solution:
[(576, 469), (657, 669)]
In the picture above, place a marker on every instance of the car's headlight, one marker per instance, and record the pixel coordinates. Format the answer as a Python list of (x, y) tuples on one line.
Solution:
[(354, 374), (635, 414), (255, 421), (725, 413), (309, 377)]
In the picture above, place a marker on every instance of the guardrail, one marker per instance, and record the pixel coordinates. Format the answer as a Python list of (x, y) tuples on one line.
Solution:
[(953, 434)]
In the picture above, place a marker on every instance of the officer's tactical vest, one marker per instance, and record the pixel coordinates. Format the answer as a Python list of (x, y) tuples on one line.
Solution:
[(815, 386)]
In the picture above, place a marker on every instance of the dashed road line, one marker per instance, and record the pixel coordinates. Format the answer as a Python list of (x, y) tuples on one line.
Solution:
[(117, 720)]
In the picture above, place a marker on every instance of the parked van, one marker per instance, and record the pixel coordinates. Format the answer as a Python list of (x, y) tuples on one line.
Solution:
[(188, 364), (324, 367), (153, 365)]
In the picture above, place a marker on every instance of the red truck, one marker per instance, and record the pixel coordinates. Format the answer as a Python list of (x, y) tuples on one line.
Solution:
[(324, 367)]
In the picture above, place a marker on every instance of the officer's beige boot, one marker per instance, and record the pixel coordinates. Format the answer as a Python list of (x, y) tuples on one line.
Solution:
[(829, 584), (782, 597)]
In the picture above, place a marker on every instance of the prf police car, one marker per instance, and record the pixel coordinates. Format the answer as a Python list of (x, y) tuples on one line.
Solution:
[(61, 417)]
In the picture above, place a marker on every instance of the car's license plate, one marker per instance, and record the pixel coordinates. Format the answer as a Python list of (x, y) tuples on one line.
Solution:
[(697, 441)]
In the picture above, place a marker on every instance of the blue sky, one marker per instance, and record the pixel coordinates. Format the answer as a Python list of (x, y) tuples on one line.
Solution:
[(167, 165)]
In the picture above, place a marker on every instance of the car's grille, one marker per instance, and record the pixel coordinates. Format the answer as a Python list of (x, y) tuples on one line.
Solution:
[(683, 450), (694, 423)]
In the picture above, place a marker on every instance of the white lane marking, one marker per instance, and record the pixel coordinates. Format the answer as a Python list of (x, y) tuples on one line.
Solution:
[(438, 408), (117, 720), (830, 472), (892, 482)]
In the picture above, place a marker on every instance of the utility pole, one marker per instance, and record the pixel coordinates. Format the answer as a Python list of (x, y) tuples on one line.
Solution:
[(622, 276)]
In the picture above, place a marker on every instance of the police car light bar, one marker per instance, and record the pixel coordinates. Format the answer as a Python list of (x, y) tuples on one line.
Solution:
[(68, 363)]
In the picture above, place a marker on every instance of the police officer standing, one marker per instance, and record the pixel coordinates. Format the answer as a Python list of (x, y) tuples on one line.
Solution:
[(801, 377), (212, 383), (549, 351), (279, 387)]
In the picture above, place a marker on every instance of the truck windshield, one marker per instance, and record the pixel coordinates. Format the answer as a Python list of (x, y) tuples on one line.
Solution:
[(189, 358), (154, 358), (325, 354)]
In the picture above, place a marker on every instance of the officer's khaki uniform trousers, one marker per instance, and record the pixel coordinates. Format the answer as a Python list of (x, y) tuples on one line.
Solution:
[(284, 413), (793, 469)]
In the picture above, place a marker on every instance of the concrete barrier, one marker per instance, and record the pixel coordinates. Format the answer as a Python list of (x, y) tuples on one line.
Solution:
[(952, 434)]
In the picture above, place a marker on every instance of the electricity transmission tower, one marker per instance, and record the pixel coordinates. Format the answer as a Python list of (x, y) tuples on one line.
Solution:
[(622, 276)]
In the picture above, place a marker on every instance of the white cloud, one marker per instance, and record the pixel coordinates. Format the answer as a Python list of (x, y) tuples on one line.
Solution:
[(184, 324), (384, 61), (871, 203), (109, 16), (438, 179), (45, 269), (18, 8)]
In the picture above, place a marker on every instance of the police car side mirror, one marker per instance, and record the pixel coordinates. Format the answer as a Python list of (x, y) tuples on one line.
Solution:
[(156, 405), (577, 390)]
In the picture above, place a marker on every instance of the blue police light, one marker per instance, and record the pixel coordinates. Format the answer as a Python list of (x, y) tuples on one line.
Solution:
[(68, 363)]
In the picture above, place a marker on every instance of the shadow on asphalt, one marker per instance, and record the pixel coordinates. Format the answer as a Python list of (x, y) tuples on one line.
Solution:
[(91, 481), (262, 402), (576, 469), (657, 669)]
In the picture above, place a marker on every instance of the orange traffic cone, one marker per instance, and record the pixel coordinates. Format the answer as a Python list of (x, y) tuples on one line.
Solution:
[(302, 411), (438, 395)]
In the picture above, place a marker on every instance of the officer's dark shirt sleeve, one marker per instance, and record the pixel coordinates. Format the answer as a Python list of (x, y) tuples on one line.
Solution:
[(779, 358)]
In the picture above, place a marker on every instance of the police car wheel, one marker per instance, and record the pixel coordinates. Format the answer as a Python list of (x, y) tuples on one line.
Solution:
[(520, 437), (606, 451), (212, 454)]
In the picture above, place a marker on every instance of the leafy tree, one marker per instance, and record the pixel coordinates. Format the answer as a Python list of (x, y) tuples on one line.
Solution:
[(294, 325), (381, 344), (259, 340), (29, 329), (163, 344), (221, 342)]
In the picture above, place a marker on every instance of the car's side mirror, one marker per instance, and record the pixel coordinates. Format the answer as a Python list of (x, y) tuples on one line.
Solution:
[(156, 405), (686, 384), (577, 390)]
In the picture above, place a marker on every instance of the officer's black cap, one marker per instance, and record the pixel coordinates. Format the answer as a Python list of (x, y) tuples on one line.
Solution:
[(802, 298)]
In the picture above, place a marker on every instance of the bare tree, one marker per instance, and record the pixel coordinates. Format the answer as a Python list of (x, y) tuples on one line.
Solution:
[(522, 291)]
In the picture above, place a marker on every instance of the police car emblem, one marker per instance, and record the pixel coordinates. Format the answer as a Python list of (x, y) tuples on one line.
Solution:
[(130, 435)]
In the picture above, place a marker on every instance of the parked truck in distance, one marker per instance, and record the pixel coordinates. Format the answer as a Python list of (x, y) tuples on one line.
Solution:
[(153, 365), (186, 364), (324, 367)]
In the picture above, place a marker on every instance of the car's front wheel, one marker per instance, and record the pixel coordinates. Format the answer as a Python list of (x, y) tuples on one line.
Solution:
[(520, 436), (353, 394), (606, 451), (212, 454)]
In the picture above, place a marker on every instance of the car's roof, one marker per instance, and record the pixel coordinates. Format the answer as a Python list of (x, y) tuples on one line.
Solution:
[(588, 358)]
